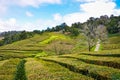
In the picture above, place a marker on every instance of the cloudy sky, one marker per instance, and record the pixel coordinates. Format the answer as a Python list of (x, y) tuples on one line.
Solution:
[(40, 14)]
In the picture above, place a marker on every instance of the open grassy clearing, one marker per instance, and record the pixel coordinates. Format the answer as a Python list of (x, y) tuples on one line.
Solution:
[(88, 69), (38, 69)]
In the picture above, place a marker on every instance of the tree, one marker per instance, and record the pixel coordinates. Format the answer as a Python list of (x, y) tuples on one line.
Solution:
[(94, 31), (74, 31), (101, 32), (37, 31), (15, 36), (113, 25), (90, 32)]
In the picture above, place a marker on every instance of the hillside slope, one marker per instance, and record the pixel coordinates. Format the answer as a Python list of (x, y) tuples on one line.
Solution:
[(47, 57)]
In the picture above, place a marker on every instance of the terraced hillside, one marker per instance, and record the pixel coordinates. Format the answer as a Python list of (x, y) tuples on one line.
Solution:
[(48, 43), (39, 58), (92, 67)]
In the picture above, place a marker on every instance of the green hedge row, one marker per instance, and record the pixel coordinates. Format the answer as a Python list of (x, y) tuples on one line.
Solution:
[(20, 72)]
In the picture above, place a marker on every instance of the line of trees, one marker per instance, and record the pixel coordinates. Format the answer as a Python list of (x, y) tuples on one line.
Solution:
[(10, 37)]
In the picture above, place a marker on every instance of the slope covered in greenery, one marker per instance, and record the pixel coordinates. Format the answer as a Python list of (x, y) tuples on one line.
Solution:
[(57, 56)]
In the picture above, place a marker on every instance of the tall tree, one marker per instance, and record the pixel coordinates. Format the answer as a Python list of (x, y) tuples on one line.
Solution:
[(101, 32), (90, 32)]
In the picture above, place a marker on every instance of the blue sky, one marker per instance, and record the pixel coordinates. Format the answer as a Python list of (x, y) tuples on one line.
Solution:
[(40, 14)]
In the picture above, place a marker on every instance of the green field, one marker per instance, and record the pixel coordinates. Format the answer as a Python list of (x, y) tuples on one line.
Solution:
[(55, 56)]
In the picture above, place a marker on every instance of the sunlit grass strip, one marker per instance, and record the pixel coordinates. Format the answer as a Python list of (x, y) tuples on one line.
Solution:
[(102, 55), (8, 55), (20, 72), (98, 57), (105, 53), (47, 41), (8, 69), (97, 62)]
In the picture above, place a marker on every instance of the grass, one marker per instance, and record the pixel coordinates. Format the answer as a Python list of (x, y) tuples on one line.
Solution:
[(8, 69), (37, 43), (52, 38), (27, 44), (38, 69), (113, 43), (93, 48), (8, 55), (32, 59), (91, 70), (96, 57), (112, 62), (42, 54)]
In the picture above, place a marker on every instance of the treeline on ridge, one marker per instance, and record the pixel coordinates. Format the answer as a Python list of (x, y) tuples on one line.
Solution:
[(13, 36)]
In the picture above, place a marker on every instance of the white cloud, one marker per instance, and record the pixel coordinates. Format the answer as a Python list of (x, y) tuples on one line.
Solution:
[(98, 8), (75, 17), (3, 9), (29, 14), (48, 23), (92, 8), (57, 17), (93, 0), (85, 0), (12, 21), (36, 3), (5, 4), (10, 24)]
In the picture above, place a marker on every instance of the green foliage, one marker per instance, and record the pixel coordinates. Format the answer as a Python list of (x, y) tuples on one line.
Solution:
[(10, 38), (115, 76), (20, 72), (74, 31), (113, 25), (37, 32)]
